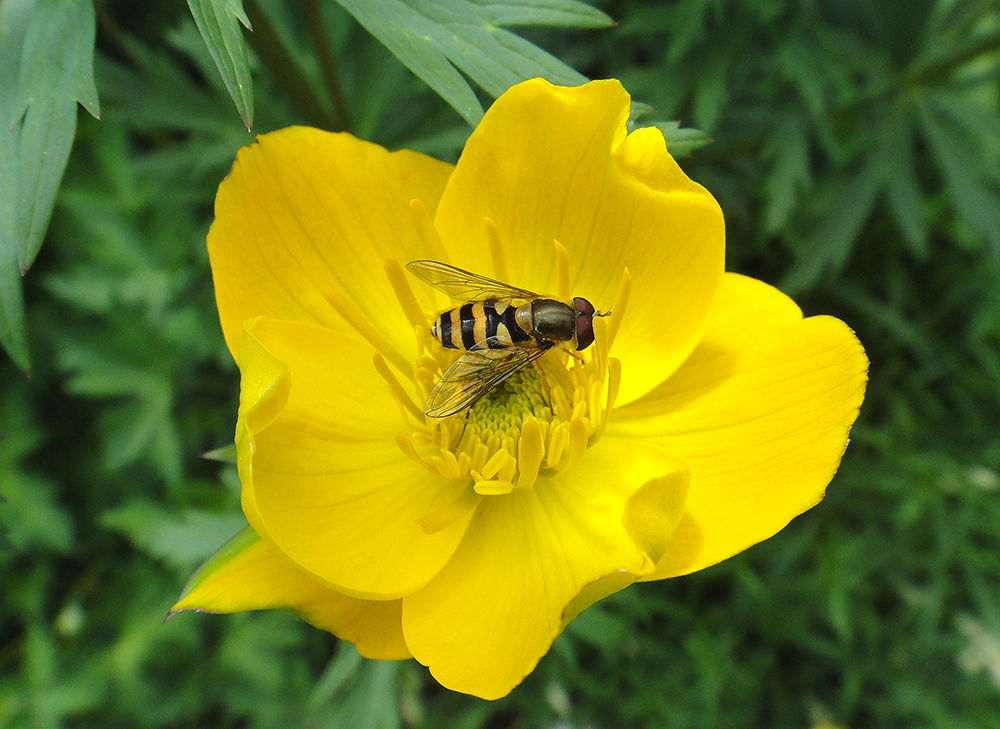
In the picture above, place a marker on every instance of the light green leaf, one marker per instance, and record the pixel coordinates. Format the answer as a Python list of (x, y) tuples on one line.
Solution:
[(46, 66), (179, 538), (235, 545), (566, 13), (437, 39), (219, 23), (681, 141)]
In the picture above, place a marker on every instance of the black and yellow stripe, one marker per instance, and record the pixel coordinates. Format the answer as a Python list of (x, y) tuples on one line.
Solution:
[(479, 323)]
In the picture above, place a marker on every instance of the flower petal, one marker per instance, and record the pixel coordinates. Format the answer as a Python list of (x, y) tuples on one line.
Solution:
[(549, 163), (249, 573), (761, 411), (484, 622), (324, 480), (304, 211)]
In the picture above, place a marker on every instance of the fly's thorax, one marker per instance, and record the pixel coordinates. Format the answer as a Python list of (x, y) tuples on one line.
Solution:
[(553, 320)]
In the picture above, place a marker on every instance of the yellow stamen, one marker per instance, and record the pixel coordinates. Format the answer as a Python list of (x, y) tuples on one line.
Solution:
[(618, 308), (614, 382), (496, 251), (397, 389), (529, 453), (447, 515), (424, 224), (557, 445), (577, 442), (359, 322), (493, 488), (406, 445), (401, 287), (562, 272), (494, 464), (601, 344)]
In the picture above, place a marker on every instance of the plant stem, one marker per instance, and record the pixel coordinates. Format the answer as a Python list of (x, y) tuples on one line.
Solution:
[(327, 63), (272, 52)]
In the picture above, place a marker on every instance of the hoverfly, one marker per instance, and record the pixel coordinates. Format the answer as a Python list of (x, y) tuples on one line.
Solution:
[(501, 328)]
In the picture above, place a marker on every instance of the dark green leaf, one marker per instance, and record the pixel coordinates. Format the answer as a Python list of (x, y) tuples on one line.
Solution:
[(46, 67), (789, 175), (219, 22), (894, 150), (437, 39), (828, 247), (967, 167)]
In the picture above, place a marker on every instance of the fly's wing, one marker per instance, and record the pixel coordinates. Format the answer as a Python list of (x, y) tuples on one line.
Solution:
[(474, 374), (465, 286)]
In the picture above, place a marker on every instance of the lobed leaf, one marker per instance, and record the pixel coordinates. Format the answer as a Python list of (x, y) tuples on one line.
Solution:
[(46, 67), (219, 23), (436, 39), (566, 13)]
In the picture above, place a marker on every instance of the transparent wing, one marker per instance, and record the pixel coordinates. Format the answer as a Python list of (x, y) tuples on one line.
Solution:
[(474, 374), (465, 286)]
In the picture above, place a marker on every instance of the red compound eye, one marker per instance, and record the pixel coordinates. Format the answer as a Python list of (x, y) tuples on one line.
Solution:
[(584, 322)]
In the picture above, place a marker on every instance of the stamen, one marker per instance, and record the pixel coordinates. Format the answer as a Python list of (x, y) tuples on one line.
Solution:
[(557, 445), (493, 488), (397, 389), (496, 250), (404, 294), (424, 224), (577, 442), (601, 345), (529, 453), (447, 515), (406, 445), (359, 322), (493, 465), (562, 272), (619, 306), (614, 382)]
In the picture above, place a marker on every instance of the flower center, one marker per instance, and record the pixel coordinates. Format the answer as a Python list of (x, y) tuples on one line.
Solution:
[(539, 421)]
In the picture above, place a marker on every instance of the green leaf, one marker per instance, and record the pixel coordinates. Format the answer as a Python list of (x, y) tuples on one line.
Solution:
[(219, 23), (235, 545), (830, 244), (565, 13), (179, 538), (894, 151), (789, 175), (966, 160), (437, 39), (46, 67), (681, 141)]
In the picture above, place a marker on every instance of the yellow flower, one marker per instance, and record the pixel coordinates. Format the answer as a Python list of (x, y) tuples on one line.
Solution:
[(470, 541)]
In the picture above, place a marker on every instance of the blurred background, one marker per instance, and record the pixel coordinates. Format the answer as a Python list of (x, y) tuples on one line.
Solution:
[(856, 156)]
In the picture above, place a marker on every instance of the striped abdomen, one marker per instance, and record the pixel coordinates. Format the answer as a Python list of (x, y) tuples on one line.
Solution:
[(488, 324)]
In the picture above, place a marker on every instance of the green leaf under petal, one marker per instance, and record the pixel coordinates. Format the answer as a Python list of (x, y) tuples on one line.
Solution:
[(438, 39), (219, 22), (46, 66), (681, 141)]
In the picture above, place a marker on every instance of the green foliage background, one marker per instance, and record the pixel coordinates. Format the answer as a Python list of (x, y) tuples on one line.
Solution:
[(856, 155)]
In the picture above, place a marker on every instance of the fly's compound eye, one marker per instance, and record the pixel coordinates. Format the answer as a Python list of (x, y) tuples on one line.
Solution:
[(584, 322)]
